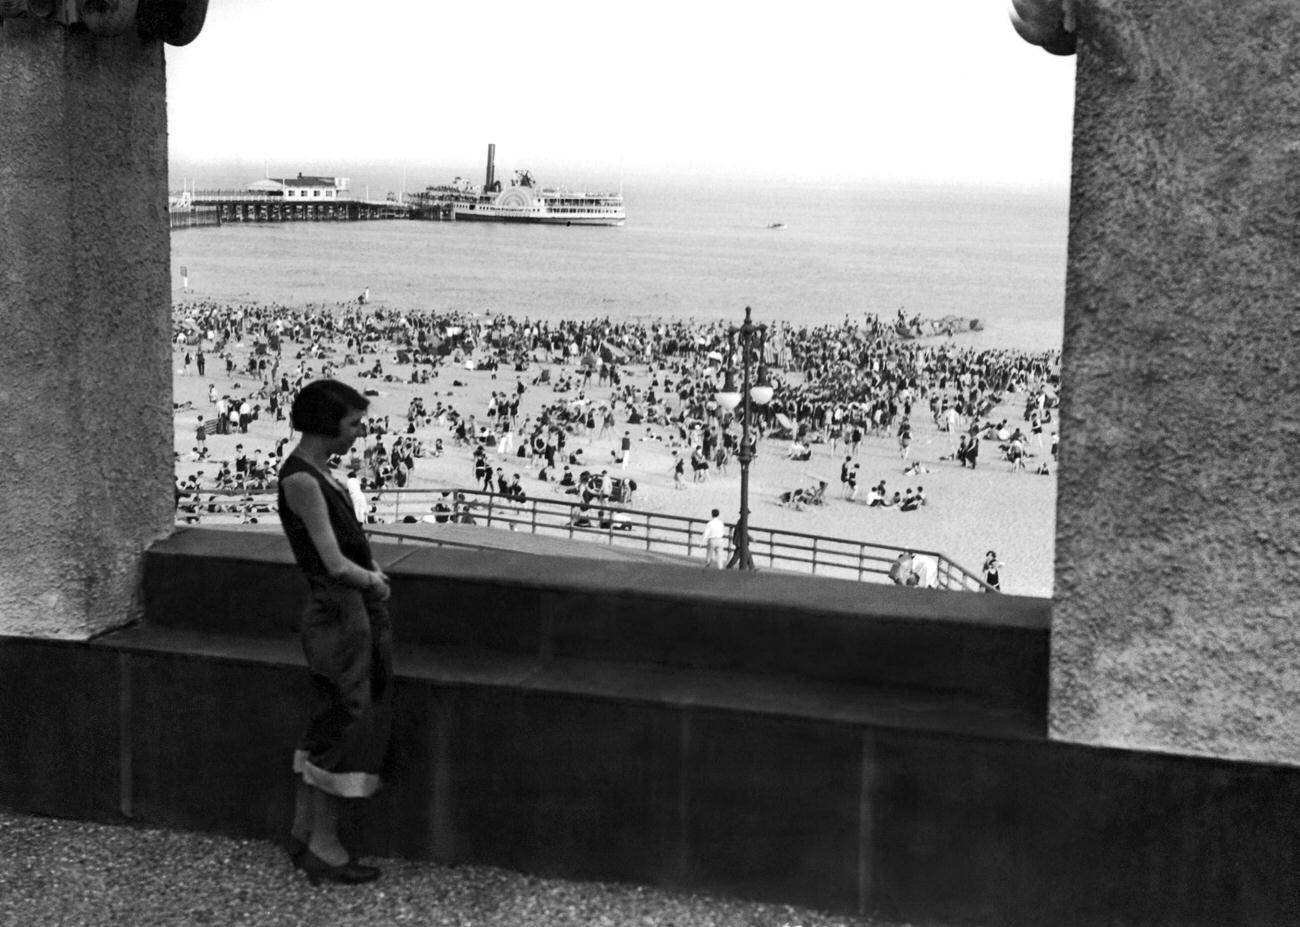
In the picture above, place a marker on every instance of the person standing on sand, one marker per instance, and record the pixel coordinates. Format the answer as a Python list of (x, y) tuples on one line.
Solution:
[(346, 635), (904, 438), (201, 434), (715, 533), (992, 574)]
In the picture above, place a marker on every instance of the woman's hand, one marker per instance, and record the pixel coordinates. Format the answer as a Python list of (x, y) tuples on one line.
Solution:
[(379, 588)]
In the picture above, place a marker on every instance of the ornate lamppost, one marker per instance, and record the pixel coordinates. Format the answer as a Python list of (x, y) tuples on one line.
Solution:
[(752, 340)]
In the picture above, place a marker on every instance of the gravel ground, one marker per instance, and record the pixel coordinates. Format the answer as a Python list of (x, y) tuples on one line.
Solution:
[(59, 872)]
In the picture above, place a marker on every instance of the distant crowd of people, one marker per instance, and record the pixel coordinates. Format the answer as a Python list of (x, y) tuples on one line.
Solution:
[(834, 386)]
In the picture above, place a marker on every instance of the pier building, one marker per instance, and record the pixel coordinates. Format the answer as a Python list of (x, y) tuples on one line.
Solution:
[(296, 199)]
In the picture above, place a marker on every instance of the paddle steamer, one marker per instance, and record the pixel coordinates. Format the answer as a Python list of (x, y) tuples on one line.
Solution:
[(524, 201)]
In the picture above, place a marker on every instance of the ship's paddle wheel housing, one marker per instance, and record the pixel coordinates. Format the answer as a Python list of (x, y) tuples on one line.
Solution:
[(515, 198)]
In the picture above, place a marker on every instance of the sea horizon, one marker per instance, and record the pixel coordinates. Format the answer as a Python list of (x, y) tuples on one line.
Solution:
[(384, 177), (688, 250)]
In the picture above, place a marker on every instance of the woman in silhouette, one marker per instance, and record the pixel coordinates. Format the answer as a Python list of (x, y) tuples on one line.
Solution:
[(346, 634)]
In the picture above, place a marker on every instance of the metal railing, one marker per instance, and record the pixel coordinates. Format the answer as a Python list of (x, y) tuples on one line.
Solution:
[(606, 523), (237, 196)]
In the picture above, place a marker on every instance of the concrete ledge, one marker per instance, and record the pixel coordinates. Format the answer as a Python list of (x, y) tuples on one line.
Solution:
[(629, 683), (989, 650)]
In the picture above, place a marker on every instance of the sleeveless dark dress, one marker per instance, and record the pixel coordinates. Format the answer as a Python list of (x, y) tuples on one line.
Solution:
[(347, 530), (348, 642)]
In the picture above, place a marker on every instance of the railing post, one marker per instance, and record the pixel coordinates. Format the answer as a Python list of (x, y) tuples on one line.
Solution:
[(814, 556)]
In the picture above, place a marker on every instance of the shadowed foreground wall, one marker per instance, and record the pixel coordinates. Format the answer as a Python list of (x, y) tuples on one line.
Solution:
[(1178, 561), (85, 376), (862, 749)]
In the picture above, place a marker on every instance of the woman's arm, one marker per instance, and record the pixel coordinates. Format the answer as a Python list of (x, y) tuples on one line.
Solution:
[(304, 497)]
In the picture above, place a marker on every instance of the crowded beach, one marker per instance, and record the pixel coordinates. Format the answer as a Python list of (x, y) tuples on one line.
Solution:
[(924, 443)]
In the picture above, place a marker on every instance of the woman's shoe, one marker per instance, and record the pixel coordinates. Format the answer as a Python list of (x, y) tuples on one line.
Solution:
[(349, 873)]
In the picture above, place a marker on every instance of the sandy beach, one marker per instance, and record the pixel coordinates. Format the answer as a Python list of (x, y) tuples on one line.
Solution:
[(967, 512)]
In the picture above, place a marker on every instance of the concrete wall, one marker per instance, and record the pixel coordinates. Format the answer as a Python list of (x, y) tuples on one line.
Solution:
[(85, 378), (572, 723), (1178, 562)]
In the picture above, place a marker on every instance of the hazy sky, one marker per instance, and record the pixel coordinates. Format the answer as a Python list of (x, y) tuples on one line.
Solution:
[(858, 90)]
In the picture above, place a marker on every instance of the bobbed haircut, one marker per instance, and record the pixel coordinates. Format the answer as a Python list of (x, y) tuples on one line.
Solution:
[(322, 404)]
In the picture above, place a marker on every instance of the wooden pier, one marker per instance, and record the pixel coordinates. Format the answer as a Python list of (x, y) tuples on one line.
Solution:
[(254, 206), (189, 216)]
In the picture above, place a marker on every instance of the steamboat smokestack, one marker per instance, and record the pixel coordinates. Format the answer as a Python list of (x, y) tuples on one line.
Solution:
[(491, 167)]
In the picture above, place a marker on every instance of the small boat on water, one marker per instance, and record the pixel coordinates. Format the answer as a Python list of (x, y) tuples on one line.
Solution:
[(524, 201), (776, 225)]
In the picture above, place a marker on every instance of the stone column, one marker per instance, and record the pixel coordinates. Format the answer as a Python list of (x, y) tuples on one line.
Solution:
[(1177, 621), (85, 378)]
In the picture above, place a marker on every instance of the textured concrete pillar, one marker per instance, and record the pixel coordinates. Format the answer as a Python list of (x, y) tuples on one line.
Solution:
[(1177, 625), (85, 380)]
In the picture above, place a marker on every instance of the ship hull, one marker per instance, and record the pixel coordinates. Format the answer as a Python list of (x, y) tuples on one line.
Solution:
[(475, 215)]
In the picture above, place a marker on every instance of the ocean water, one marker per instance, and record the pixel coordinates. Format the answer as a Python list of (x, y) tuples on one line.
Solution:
[(687, 250)]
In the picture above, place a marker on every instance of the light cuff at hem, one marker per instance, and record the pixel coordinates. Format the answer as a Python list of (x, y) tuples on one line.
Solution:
[(344, 785)]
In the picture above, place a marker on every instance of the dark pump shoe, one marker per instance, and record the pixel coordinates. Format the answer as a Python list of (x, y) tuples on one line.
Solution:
[(349, 873)]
